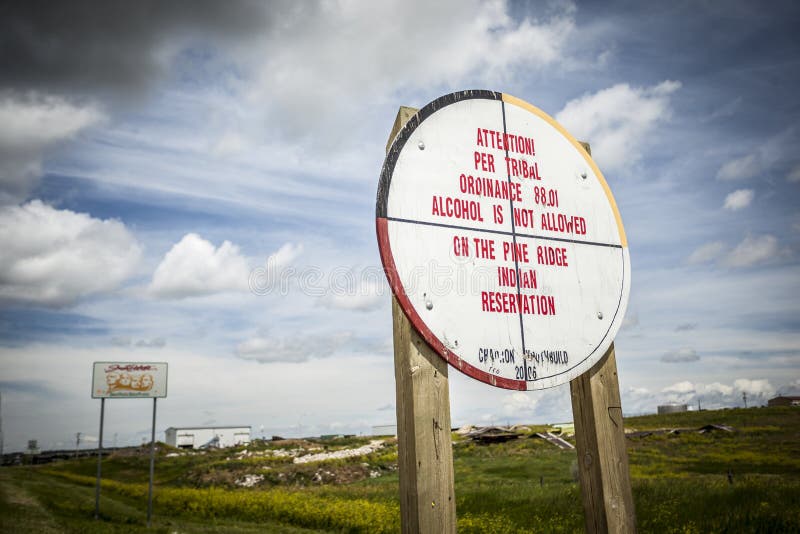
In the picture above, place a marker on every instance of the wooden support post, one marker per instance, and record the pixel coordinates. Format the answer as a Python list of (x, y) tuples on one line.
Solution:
[(425, 453), (600, 443), (602, 454)]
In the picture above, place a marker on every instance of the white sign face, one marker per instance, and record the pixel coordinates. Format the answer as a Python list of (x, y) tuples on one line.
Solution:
[(129, 380), (501, 241)]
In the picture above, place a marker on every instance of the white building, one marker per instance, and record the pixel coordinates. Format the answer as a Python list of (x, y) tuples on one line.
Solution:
[(203, 437)]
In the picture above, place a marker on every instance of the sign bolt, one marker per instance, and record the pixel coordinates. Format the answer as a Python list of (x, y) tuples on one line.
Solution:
[(583, 175), (599, 315), (421, 145)]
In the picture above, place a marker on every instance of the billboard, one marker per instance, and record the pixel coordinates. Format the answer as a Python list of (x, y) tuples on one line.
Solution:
[(132, 380)]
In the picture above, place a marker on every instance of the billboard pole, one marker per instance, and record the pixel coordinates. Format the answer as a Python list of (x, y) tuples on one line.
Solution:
[(128, 380), (99, 460), (152, 466)]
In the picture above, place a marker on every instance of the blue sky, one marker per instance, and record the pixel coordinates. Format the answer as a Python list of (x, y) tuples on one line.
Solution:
[(196, 184)]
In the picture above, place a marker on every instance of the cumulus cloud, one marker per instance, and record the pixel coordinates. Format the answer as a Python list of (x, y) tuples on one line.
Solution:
[(55, 257), (741, 198), (267, 348), (519, 403), (748, 166), (714, 395), (616, 120), (30, 124), (753, 250), (680, 388), (285, 255), (340, 42), (680, 356), (716, 387), (277, 272), (792, 388), (195, 267), (706, 253), (758, 388)]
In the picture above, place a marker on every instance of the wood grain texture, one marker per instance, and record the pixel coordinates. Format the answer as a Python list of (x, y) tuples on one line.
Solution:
[(600, 441), (403, 115), (602, 454), (424, 448), (425, 453)]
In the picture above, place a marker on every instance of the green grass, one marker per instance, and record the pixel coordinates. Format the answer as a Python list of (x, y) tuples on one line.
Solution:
[(680, 484)]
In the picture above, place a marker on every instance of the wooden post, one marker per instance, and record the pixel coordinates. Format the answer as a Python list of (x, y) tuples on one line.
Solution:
[(602, 455), (424, 448), (600, 443)]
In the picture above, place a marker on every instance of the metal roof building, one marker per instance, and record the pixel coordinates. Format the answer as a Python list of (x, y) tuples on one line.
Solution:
[(204, 437)]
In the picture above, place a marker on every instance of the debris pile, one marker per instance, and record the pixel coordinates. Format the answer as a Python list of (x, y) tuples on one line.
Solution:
[(373, 446)]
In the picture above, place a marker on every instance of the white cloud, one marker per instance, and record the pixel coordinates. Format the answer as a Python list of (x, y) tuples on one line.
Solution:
[(706, 253), (54, 257), (680, 356), (792, 388), (265, 348), (760, 388), (794, 174), (277, 272), (753, 251), (680, 388), (285, 256), (519, 403), (742, 168), (371, 50), (618, 119), (716, 387), (195, 267), (30, 124), (741, 198), (711, 396)]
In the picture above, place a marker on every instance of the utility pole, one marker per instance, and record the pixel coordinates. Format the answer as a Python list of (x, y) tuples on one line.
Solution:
[(77, 443), (744, 396)]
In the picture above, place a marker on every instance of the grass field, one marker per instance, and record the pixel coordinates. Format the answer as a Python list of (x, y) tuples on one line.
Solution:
[(743, 481)]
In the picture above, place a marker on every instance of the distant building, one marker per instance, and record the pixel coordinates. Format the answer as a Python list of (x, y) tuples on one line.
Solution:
[(784, 401), (204, 437), (384, 430), (672, 408)]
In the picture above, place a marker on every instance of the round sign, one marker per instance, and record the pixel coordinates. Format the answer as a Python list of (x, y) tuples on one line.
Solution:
[(501, 241)]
